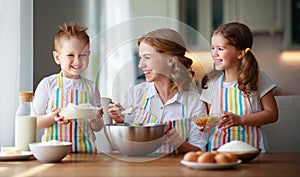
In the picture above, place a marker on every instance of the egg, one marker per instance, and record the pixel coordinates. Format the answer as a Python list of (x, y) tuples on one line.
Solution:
[(231, 157), (199, 152), (214, 152), (206, 157), (191, 157), (222, 158)]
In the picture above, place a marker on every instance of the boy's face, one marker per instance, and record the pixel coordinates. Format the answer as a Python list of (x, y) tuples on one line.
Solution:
[(73, 57)]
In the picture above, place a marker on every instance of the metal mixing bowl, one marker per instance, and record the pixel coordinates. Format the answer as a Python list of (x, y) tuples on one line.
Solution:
[(135, 139)]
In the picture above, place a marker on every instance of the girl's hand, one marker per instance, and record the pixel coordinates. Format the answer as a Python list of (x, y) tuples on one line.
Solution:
[(59, 119), (115, 112), (229, 120)]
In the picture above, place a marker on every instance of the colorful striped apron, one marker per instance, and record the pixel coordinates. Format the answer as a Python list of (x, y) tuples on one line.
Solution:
[(182, 125), (231, 99), (77, 131)]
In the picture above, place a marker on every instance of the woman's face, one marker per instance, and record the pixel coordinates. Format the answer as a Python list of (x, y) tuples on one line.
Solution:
[(153, 64), (225, 56)]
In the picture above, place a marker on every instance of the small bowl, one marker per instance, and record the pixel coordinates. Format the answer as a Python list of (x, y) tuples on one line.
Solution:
[(135, 139), (208, 121), (241, 149), (247, 156), (81, 111), (52, 151)]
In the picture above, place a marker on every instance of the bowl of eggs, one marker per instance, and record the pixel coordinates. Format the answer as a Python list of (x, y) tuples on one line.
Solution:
[(242, 150)]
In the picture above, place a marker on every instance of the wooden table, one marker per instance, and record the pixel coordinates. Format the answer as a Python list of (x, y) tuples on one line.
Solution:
[(269, 165)]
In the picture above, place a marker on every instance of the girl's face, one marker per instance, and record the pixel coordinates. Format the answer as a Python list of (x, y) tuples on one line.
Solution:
[(154, 64), (225, 56), (73, 57)]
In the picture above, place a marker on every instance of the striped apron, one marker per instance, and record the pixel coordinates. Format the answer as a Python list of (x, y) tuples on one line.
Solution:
[(77, 131), (231, 99), (181, 125)]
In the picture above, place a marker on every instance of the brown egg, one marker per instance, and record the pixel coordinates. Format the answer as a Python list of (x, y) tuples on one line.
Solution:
[(199, 152), (206, 157), (191, 157), (214, 152), (231, 157), (222, 158)]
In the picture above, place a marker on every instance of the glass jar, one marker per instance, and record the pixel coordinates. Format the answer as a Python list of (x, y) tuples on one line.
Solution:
[(25, 122)]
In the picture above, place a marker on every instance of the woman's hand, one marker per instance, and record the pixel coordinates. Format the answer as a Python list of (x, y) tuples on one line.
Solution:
[(115, 112), (173, 138), (229, 120)]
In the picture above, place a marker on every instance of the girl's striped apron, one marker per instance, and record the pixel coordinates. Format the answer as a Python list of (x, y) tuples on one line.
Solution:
[(181, 125), (77, 131), (231, 99)]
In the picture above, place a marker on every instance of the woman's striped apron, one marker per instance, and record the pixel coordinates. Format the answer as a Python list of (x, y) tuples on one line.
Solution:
[(231, 99), (181, 125), (77, 131)]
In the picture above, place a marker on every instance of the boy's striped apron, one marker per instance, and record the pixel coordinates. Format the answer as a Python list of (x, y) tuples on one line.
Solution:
[(77, 131), (181, 125), (231, 99)]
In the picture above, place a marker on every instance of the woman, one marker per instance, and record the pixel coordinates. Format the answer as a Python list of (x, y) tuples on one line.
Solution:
[(167, 95)]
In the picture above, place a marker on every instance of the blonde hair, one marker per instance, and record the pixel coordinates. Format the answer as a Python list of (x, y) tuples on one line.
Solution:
[(70, 30), (240, 36), (169, 42)]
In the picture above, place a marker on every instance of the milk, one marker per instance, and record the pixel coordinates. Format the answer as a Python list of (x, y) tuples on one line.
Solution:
[(25, 131)]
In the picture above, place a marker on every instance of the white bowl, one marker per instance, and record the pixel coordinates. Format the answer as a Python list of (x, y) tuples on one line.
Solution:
[(242, 150), (81, 111), (135, 139), (49, 151)]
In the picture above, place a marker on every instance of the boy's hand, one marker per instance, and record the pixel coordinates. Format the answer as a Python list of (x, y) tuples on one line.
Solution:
[(59, 119)]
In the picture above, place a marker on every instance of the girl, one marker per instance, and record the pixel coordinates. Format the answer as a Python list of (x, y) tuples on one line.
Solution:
[(240, 90)]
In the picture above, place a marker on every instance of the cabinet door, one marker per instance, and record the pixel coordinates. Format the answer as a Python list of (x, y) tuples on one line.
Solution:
[(259, 15)]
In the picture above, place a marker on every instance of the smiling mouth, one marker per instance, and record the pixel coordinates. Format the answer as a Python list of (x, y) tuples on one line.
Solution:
[(76, 67), (218, 61)]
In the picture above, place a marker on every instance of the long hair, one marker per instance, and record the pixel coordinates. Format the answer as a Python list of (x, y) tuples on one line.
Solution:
[(70, 30), (169, 42), (240, 36)]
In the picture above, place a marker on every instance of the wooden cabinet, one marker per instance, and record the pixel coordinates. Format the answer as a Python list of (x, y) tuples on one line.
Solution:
[(259, 15)]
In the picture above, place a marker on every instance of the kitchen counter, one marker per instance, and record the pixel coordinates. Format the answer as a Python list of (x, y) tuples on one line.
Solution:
[(272, 164)]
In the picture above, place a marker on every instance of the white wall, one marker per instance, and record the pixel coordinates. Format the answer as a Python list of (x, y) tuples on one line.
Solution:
[(15, 61), (283, 134)]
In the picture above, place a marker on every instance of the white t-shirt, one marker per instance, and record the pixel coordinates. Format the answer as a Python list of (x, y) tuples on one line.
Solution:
[(171, 110), (45, 92), (264, 85)]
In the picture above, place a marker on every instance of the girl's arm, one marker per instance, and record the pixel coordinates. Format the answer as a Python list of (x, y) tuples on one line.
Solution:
[(269, 114)]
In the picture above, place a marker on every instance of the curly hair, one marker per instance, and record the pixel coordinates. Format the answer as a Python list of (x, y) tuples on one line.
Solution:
[(70, 30), (169, 42), (240, 36)]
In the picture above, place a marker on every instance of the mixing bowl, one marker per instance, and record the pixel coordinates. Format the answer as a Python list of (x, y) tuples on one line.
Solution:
[(135, 139), (52, 151)]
